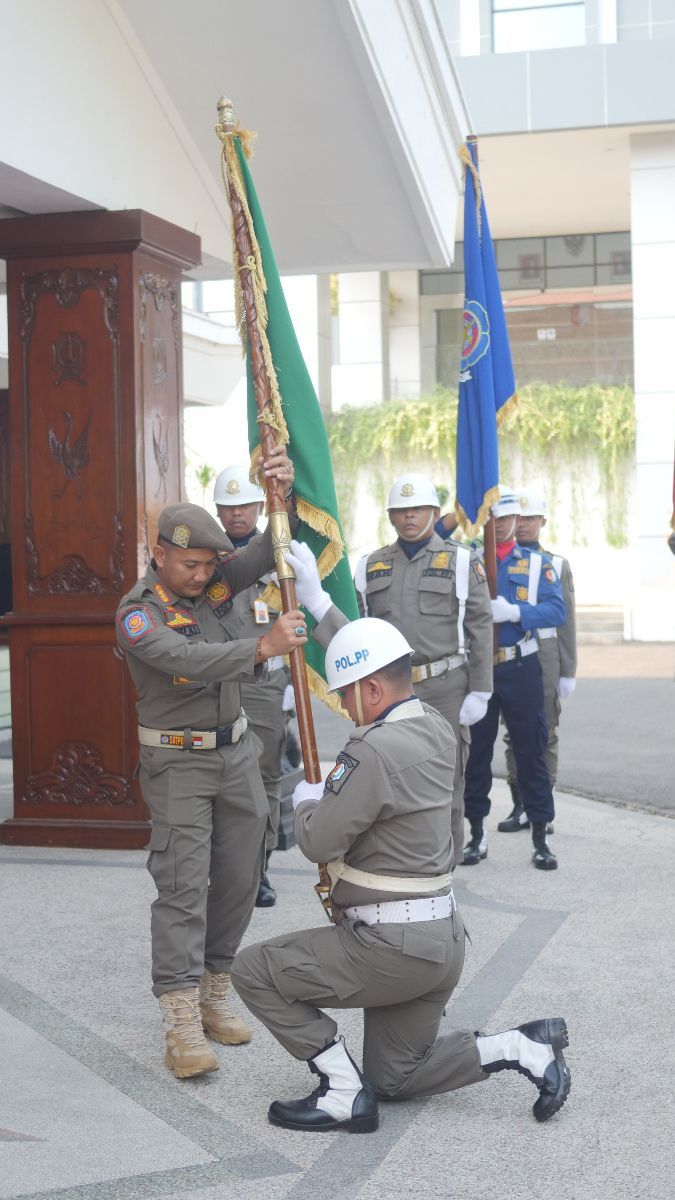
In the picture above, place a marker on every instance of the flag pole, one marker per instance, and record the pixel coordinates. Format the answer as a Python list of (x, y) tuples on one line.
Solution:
[(489, 539), (276, 502)]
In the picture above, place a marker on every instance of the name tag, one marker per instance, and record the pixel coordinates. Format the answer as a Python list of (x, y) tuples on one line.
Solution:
[(261, 612)]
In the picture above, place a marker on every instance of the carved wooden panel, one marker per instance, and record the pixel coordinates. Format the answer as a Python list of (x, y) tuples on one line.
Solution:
[(160, 348), (4, 468), (71, 414)]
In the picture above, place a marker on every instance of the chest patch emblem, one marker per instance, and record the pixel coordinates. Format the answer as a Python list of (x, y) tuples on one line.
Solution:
[(521, 593), (219, 597), (441, 561), (181, 622), (522, 567), (344, 767), (136, 623), (377, 570)]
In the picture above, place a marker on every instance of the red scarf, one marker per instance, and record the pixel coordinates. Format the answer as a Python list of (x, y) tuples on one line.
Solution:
[(504, 549)]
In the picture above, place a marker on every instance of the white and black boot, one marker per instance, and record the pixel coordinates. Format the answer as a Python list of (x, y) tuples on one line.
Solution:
[(476, 848), (543, 858), (517, 818), (536, 1051), (343, 1099)]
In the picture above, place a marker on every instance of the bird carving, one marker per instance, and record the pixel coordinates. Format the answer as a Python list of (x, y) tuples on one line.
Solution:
[(74, 456)]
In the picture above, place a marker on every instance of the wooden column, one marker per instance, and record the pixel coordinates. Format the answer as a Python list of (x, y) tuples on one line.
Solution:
[(95, 398)]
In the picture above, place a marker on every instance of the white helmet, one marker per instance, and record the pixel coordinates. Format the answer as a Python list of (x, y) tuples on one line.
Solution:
[(233, 486), (532, 505), (361, 648), (508, 504), (413, 491)]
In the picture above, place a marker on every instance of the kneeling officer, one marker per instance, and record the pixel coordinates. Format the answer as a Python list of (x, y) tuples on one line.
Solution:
[(396, 950)]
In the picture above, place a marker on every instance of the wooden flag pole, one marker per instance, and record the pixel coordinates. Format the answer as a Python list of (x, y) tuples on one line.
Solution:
[(276, 502)]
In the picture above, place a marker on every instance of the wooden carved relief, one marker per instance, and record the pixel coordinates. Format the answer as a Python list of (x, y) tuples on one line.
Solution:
[(161, 292), (77, 776), (160, 448), (74, 438), (68, 355)]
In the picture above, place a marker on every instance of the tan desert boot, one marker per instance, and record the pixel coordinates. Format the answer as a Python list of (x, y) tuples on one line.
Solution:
[(187, 1052), (218, 1018)]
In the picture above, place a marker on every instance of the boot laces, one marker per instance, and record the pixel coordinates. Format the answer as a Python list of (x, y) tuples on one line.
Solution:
[(185, 1019), (216, 994)]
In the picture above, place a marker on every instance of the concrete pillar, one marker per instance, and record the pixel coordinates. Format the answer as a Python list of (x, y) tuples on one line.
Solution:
[(362, 374), (404, 334), (651, 615)]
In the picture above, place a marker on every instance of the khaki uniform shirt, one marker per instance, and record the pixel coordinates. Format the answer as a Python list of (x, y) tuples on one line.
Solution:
[(419, 597), (241, 622), (185, 667), (559, 654), (386, 805)]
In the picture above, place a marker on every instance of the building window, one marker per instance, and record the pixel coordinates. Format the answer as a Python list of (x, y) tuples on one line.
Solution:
[(537, 24)]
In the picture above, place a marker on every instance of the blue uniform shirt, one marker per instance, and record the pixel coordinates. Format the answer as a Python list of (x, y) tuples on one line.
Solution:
[(513, 577)]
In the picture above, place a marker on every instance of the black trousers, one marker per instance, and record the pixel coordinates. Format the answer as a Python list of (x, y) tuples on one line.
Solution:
[(519, 696)]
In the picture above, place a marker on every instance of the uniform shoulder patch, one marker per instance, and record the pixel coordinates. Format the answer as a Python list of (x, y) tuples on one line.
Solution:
[(479, 571), (135, 623), (551, 575), (345, 766)]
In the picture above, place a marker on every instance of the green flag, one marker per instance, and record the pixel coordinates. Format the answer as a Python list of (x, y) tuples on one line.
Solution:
[(295, 408)]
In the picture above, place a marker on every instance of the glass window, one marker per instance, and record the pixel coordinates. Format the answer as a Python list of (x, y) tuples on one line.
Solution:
[(441, 283), (564, 277), (537, 26), (608, 245), (569, 251), (525, 254)]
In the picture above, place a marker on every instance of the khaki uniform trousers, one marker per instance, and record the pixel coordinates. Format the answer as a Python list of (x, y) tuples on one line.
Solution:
[(401, 975), (209, 814), (262, 705), (549, 661), (447, 693)]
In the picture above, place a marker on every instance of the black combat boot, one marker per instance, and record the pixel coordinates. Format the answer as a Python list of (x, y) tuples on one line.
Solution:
[(536, 1051), (343, 1099), (476, 848), (517, 818), (542, 858), (267, 896)]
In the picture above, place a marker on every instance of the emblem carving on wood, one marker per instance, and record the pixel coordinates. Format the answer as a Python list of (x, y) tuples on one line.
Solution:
[(159, 369), (67, 286), (73, 576), (68, 358), (72, 453), (160, 447), (77, 776), (162, 292)]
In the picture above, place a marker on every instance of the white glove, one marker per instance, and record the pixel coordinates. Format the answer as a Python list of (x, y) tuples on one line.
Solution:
[(307, 791), (288, 702), (566, 686), (474, 707), (503, 611), (307, 582)]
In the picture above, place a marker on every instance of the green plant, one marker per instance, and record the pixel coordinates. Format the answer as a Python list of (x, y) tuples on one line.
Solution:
[(204, 474), (552, 425)]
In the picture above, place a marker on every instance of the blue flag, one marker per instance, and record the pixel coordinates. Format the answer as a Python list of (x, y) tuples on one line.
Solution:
[(486, 381)]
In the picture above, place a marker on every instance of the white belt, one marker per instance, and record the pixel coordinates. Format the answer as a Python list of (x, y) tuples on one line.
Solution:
[(275, 664), (524, 647), (201, 739), (433, 908), (432, 669), (547, 633)]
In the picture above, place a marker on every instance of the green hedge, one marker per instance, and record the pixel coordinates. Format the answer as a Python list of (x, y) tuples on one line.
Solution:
[(552, 426)]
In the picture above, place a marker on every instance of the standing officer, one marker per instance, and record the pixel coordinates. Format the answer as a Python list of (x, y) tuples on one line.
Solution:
[(198, 768), (435, 592), (397, 948), (529, 598), (239, 504), (557, 654)]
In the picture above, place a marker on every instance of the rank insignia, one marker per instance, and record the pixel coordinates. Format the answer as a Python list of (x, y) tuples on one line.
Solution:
[(162, 593), (181, 536), (181, 680), (377, 570), (441, 561), (136, 623), (344, 767)]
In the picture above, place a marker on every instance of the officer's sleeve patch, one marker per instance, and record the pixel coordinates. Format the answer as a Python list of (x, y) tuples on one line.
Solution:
[(344, 767), (479, 571), (550, 574), (136, 623), (570, 582)]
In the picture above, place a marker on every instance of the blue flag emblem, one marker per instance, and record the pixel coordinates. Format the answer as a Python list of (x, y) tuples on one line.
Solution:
[(486, 381)]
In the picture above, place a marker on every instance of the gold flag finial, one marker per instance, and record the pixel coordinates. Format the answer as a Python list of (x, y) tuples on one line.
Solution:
[(226, 121)]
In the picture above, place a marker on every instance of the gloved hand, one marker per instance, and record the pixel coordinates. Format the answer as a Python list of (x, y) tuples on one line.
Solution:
[(566, 686), (288, 702), (307, 791), (474, 707), (503, 611), (307, 583)]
